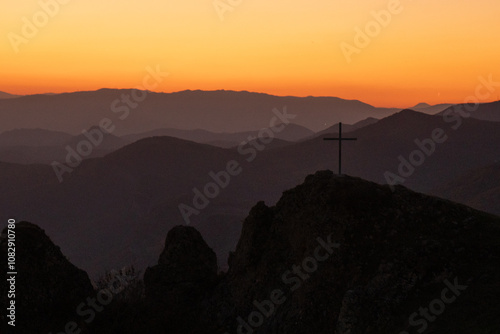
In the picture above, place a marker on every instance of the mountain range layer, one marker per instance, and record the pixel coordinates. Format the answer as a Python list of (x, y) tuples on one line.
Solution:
[(133, 195), (215, 111)]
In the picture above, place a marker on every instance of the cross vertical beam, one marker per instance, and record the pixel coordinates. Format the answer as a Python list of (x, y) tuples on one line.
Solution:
[(340, 139)]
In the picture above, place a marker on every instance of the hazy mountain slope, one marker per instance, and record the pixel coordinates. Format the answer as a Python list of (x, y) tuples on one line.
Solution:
[(478, 188), (105, 140), (18, 179), (132, 195), (33, 138), (475, 143), (41, 155), (112, 197), (38, 146), (348, 127), (197, 136), (4, 95), (276, 143), (291, 132), (486, 111), (431, 110), (215, 111)]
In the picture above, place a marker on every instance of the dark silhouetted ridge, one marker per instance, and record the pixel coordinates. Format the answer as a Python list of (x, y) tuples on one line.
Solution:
[(396, 250), (48, 287), (336, 254)]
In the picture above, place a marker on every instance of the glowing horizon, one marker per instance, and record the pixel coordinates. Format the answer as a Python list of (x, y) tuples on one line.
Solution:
[(427, 52)]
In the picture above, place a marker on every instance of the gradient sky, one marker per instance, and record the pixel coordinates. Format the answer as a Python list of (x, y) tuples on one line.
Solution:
[(433, 51)]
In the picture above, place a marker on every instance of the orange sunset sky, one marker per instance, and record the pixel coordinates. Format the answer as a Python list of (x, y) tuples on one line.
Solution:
[(431, 51)]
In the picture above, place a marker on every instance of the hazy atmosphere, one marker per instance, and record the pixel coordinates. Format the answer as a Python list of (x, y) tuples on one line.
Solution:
[(250, 167)]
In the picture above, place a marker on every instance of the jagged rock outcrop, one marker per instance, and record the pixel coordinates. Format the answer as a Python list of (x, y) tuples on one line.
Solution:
[(48, 287), (336, 254), (351, 256), (185, 274)]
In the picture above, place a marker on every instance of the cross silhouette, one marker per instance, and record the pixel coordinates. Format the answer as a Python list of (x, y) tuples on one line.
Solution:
[(340, 139)]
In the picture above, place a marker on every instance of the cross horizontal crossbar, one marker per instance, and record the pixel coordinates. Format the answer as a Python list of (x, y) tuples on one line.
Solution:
[(340, 139)]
